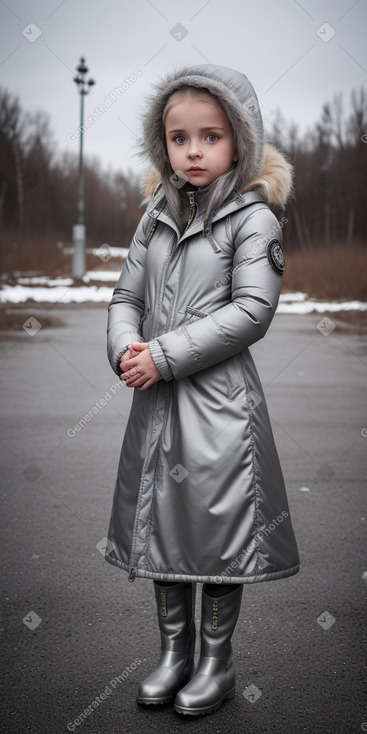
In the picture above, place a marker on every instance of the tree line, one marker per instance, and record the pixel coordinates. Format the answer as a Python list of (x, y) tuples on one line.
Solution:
[(330, 163), (38, 183)]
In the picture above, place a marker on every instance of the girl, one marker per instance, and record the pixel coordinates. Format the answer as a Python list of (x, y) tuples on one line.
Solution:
[(199, 494)]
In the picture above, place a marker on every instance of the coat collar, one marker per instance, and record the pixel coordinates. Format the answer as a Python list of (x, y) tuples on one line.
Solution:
[(238, 202)]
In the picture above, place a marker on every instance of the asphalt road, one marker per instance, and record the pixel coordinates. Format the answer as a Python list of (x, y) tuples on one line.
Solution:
[(72, 623)]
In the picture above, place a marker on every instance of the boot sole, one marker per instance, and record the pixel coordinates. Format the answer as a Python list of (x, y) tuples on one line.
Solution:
[(202, 711), (156, 701)]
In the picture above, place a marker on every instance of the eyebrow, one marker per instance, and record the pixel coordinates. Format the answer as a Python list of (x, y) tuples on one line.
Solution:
[(202, 129)]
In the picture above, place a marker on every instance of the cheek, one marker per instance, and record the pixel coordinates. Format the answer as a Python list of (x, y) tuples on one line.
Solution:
[(170, 153), (173, 152), (227, 155)]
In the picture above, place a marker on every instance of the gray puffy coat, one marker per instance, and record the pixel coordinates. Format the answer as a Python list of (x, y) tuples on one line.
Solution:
[(199, 493)]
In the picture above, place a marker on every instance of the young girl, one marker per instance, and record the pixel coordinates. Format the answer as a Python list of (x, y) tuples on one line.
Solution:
[(200, 495)]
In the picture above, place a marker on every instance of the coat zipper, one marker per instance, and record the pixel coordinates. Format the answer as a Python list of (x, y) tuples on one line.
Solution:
[(154, 320), (193, 208)]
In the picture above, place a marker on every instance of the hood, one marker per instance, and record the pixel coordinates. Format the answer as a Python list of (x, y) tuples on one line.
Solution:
[(259, 165), (274, 179)]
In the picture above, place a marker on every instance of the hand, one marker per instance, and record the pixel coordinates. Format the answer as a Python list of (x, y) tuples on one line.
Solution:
[(130, 352), (138, 367)]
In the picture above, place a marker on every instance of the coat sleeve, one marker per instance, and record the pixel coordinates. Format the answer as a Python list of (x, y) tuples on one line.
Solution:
[(255, 289), (127, 304)]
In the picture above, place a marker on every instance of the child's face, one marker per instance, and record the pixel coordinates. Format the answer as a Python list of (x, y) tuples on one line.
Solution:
[(199, 140)]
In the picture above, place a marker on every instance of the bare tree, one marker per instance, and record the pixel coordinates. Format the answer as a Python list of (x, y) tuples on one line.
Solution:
[(11, 165)]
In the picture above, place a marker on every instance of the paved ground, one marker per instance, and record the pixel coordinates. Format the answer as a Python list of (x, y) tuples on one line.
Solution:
[(57, 493)]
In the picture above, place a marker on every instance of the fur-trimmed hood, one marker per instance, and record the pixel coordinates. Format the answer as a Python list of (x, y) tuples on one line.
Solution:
[(259, 165)]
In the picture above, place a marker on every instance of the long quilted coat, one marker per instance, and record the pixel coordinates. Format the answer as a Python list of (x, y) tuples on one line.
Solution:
[(199, 494)]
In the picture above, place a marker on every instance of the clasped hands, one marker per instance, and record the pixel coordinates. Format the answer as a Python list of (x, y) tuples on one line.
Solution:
[(138, 367)]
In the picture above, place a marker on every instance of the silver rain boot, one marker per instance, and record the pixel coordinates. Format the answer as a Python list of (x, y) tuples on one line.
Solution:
[(214, 681), (176, 617)]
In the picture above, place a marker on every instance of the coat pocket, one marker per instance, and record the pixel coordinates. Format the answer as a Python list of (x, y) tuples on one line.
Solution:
[(235, 379), (195, 312), (229, 368)]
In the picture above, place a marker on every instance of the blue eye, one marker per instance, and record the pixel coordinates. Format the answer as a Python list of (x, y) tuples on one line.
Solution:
[(210, 137), (180, 139)]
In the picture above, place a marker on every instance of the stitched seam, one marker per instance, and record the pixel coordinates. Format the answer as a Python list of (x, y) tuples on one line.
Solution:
[(171, 315), (254, 468), (196, 312), (249, 215), (143, 471), (200, 578), (161, 285), (213, 243), (151, 231), (198, 356), (228, 380), (147, 547), (119, 337), (227, 341), (144, 316), (158, 201)]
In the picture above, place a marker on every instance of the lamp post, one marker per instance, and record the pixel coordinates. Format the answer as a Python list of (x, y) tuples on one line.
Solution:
[(78, 265)]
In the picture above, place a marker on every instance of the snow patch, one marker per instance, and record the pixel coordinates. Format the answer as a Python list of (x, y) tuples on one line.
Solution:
[(41, 288), (58, 294)]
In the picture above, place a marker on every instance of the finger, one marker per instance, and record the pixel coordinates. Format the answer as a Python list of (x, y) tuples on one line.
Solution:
[(140, 346), (126, 352), (135, 382), (133, 374), (129, 364)]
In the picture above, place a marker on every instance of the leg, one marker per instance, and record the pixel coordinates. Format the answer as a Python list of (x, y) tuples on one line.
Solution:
[(214, 681), (176, 619)]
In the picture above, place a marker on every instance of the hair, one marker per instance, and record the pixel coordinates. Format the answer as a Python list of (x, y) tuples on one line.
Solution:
[(180, 94), (213, 195)]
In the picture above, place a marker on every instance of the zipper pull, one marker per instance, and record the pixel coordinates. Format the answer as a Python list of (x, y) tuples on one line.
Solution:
[(192, 208), (132, 575)]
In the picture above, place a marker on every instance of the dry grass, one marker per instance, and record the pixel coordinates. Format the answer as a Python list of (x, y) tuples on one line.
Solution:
[(328, 271), (32, 253), (44, 255)]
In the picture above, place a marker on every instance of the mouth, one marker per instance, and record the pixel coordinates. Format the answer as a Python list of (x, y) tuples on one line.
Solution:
[(195, 169)]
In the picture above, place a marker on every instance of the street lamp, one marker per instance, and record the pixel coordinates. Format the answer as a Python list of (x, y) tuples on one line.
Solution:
[(78, 266)]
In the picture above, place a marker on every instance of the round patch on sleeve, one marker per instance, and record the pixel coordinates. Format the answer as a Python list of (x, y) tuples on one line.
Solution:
[(276, 257)]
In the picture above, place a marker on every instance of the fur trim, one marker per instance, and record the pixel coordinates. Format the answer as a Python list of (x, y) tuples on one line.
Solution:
[(150, 180), (274, 179)]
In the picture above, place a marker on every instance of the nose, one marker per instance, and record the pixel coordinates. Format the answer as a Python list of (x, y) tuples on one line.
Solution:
[(194, 150)]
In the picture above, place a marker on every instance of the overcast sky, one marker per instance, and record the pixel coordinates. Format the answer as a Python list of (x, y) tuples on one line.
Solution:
[(296, 54)]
